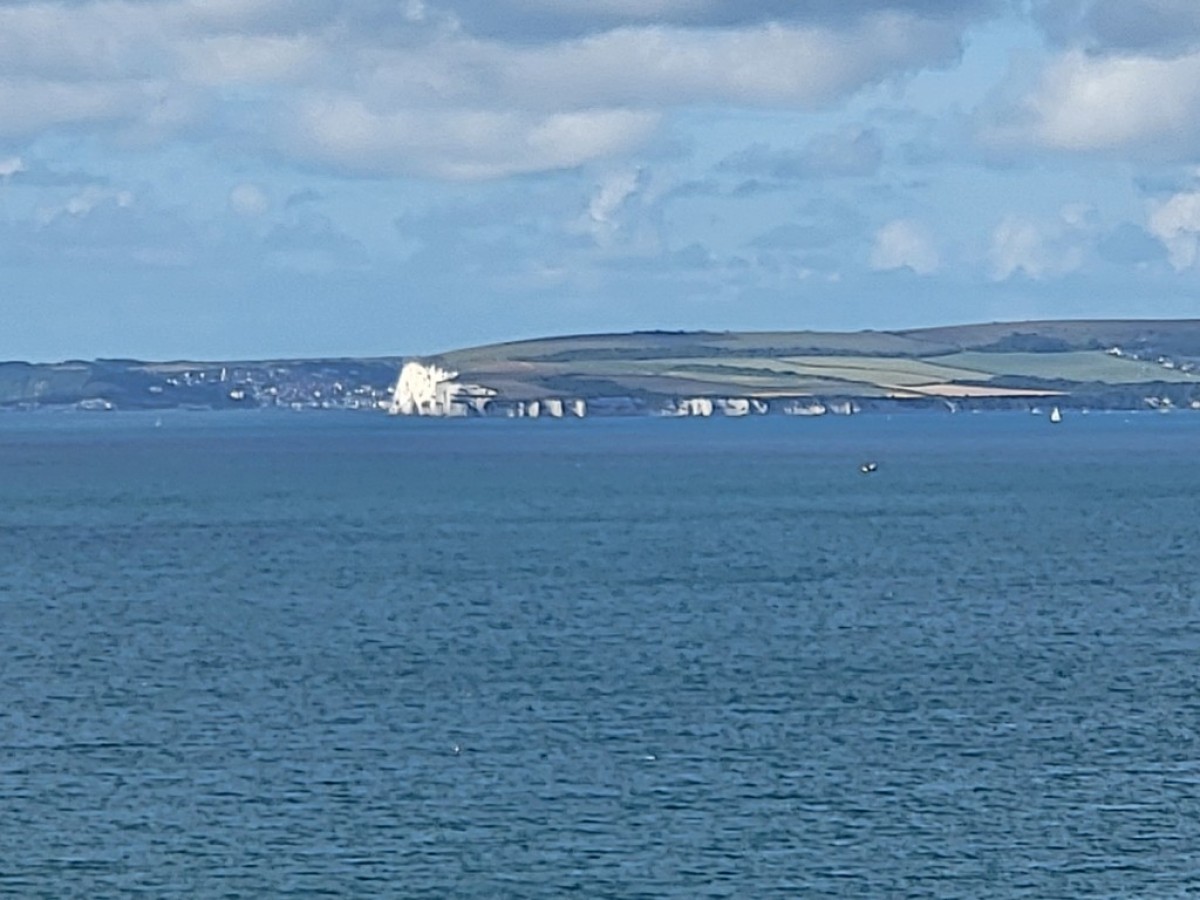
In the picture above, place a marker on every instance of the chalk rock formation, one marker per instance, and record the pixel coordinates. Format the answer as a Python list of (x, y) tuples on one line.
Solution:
[(804, 408), (745, 406), (707, 406), (424, 389)]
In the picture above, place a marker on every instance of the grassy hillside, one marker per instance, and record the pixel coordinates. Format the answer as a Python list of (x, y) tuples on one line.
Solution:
[(998, 360), (1117, 364)]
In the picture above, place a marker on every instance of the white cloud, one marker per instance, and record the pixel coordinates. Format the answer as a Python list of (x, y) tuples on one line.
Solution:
[(90, 197), (798, 66), (456, 144), (10, 166), (1018, 245), (1177, 224), (903, 243), (30, 107), (656, 66), (1042, 249), (601, 220), (80, 204), (380, 90), (1121, 103), (232, 59), (462, 108), (248, 200)]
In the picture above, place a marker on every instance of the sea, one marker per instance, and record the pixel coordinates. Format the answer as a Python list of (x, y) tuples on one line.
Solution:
[(337, 654)]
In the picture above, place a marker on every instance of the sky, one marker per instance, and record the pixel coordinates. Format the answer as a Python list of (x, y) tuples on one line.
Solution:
[(235, 179)]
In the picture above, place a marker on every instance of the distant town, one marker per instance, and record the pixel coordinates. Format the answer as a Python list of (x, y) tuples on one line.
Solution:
[(103, 385)]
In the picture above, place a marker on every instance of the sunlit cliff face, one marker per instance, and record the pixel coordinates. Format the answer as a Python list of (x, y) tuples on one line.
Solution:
[(416, 392)]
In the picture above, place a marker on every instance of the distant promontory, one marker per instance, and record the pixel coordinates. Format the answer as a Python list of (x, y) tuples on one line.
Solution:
[(1108, 364)]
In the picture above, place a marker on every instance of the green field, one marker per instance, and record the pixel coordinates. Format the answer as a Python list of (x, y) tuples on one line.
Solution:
[(1025, 355), (1081, 366)]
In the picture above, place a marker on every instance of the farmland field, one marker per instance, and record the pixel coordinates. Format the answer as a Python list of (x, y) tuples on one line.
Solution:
[(1083, 366), (1016, 360)]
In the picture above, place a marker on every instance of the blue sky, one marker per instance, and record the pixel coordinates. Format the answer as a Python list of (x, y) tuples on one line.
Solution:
[(262, 178)]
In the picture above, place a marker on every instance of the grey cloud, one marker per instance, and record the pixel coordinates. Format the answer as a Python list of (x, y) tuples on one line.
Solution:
[(302, 198), (1153, 26), (851, 151), (549, 20), (698, 187), (36, 173), (468, 233), (31, 107), (795, 237), (100, 226), (656, 67), (384, 88), (822, 236), (1129, 244), (924, 140), (1160, 183), (313, 243), (693, 256), (108, 227), (752, 187), (692, 259)]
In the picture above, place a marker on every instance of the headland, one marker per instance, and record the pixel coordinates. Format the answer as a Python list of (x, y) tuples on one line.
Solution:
[(1098, 364)]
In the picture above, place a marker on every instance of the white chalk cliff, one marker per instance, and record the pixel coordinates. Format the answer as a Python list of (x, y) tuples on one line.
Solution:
[(707, 406), (551, 407), (804, 408), (425, 389)]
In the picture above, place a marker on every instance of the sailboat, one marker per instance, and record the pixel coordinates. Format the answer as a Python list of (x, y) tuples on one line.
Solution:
[(1055, 415)]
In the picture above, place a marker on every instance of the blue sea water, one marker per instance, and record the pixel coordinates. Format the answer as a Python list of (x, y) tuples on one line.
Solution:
[(249, 655)]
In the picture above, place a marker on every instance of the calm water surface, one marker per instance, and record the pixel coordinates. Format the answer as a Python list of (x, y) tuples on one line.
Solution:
[(249, 655)]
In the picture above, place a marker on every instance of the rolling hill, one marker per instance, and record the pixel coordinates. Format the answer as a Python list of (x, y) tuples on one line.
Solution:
[(1097, 363), (1126, 364)]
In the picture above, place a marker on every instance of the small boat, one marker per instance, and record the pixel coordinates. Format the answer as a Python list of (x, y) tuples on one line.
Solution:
[(868, 467), (1055, 415)]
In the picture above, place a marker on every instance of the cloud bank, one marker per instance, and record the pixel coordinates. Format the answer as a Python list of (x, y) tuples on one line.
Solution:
[(464, 90), (1123, 79)]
